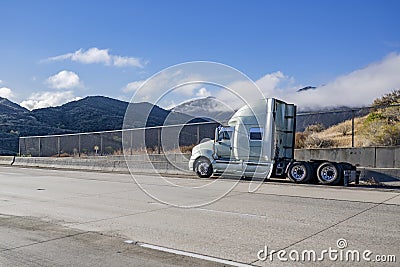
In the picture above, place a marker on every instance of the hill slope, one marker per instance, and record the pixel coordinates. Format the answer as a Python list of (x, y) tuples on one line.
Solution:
[(8, 107), (93, 113), (208, 107)]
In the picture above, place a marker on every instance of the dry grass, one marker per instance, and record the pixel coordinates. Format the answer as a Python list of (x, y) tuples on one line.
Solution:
[(341, 133)]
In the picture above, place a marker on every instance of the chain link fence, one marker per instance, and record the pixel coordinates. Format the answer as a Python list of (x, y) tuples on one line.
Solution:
[(151, 140), (359, 127)]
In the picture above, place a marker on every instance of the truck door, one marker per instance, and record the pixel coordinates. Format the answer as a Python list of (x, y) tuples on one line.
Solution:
[(223, 144), (255, 140)]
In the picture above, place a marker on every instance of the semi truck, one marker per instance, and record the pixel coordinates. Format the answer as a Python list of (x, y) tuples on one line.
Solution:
[(259, 142)]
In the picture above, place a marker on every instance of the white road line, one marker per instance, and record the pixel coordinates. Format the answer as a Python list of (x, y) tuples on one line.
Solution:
[(233, 213), (193, 255)]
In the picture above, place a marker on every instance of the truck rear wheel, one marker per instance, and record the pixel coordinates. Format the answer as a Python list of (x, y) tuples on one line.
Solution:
[(329, 173), (300, 172), (203, 167)]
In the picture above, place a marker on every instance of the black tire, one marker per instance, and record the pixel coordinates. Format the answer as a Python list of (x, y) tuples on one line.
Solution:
[(300, 172), (329, 173), (203, 167)]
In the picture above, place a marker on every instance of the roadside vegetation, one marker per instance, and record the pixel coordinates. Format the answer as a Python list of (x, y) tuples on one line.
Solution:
[(381, 127)]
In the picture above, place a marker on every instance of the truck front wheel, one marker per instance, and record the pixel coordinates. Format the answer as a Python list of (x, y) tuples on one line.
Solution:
[(300, 172), (203, 167)]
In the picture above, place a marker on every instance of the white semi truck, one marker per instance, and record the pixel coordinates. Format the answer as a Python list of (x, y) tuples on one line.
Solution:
[(258, 142)]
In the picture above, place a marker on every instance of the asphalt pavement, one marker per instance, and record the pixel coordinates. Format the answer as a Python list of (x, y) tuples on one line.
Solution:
[(77, 218)]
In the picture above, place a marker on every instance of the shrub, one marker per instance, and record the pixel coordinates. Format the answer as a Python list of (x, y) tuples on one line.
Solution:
[(317, 142), (315, 128), (300, 141), (388, 99), (186, 149), (344, 128), (382, 126)]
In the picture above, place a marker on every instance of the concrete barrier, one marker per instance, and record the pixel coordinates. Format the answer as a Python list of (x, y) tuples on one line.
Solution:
[(164, 164), (371, 157), (6, 160), (98, 164), (386, 157)]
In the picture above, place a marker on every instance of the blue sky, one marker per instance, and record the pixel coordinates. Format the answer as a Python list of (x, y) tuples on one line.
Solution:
[(55, 51)]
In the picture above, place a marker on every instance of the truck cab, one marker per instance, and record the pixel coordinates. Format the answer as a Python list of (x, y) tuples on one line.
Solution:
[(257, 137)]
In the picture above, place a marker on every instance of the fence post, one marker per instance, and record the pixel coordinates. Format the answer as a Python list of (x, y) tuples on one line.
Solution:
[(159, 140), (19, 146), (101, 144), (131, 142), (40, 154), (58, 146), (198, 134), (352, 128), (79, 145)]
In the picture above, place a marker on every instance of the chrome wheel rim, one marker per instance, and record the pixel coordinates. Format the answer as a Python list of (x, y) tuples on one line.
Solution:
[(203, 167), (328, 173), (298, 172)]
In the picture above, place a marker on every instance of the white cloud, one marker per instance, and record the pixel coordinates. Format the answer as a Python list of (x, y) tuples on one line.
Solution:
[(64, 80), (48, 99), (270, 81), (185, 81), (92, 55), (203, 92), (169, 104), (126, 61), (1, 81), (276, 81), (6, 93), (358, 88), (133, 86), (187, 88), (241, 92), (160, 86), (270, 85), (96, 55), (362, 86)]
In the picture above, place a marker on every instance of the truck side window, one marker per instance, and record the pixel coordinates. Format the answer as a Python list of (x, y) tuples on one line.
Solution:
[(225, 134), (256, 134)]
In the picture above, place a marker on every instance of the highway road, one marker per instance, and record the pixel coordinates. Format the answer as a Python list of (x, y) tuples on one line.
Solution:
[(77, 218)]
